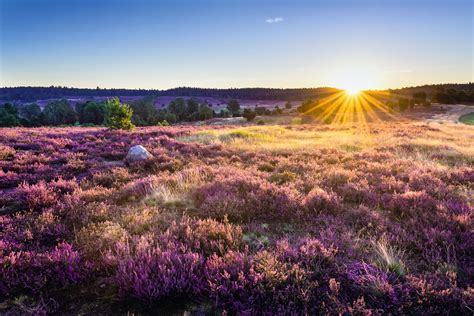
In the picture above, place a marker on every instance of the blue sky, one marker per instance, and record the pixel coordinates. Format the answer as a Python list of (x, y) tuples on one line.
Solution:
[(235, 43)]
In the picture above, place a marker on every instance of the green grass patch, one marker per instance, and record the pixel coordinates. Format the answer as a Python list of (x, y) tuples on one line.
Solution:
[(467, 119)]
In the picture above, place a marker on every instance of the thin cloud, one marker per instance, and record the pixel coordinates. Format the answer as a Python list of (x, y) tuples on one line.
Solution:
[(274, 20)]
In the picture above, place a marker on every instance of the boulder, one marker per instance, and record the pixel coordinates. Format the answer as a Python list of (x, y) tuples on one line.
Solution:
[(137, 153)]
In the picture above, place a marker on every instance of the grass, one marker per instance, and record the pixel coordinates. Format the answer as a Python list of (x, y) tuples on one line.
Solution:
[(349, 137), (467, 119)]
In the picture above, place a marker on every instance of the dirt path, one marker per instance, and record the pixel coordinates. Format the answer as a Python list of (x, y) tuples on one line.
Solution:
[(453, 113)]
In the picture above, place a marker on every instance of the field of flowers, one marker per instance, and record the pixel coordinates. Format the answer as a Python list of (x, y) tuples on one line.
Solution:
[(249, 220)]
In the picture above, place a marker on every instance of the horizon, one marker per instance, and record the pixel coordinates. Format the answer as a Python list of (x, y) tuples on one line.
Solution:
[(364, 45), (236, 88)]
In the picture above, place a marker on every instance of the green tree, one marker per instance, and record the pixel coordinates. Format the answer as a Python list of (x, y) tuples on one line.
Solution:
[(9, 116), (192, 110), (403, 104), (144, 112), (420, 96), (249, 114), (277, 110), (31, 115), (118, 115), (93, 113), (288, 105), (234, 107), (260, 110), (224, 113), (309, 107), (58, 113), (165, 115), (178, 108), (205, 112)]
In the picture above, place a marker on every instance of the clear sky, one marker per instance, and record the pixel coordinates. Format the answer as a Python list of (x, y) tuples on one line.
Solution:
[(235, 43)]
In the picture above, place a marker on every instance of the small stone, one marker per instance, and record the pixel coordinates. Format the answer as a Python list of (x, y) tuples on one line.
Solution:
[(138, 153)]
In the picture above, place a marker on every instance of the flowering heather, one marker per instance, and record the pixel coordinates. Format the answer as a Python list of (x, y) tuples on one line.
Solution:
[(243, 220)]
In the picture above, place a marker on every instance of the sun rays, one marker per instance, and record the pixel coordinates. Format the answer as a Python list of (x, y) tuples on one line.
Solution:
[(353, 106)]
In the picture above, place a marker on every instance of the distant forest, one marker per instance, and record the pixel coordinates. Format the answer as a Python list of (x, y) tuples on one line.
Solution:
[(30, 94)]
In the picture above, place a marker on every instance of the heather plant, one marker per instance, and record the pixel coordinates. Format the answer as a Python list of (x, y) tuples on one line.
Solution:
[(262, 199), (206, 236), (148, 272), (33, 271), (97, 238), (274, 220)]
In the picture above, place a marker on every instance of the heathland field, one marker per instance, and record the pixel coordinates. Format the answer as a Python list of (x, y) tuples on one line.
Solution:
[(252, 219)]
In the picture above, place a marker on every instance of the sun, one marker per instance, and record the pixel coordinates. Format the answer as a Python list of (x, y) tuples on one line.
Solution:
[(354, 79), (352, 91)]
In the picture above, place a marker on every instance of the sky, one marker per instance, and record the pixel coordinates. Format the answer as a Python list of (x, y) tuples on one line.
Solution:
[(371, 44)]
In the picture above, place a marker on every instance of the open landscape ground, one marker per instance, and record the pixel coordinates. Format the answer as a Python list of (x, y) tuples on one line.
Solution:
[(343, 218)]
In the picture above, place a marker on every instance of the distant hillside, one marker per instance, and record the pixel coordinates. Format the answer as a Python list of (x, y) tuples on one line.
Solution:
[(29, 94)]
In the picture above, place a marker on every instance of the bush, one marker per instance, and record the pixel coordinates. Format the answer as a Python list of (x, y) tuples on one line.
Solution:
[(117, 115)]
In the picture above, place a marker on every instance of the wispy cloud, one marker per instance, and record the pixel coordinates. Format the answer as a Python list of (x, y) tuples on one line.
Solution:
[(274, 20), (398, 71)]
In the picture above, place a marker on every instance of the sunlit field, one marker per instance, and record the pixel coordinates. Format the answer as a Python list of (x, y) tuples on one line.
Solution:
[(342, 218)]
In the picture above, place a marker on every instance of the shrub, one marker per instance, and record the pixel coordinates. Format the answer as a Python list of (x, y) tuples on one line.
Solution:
[(117, 115)]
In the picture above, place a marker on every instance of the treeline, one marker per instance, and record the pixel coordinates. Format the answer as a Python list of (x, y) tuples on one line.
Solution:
[(139, 113), (432, 90), (61, 113), (31, 94), (452, 96)]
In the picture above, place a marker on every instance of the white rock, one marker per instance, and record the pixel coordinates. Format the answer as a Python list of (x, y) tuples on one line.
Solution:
[(138, 153)]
